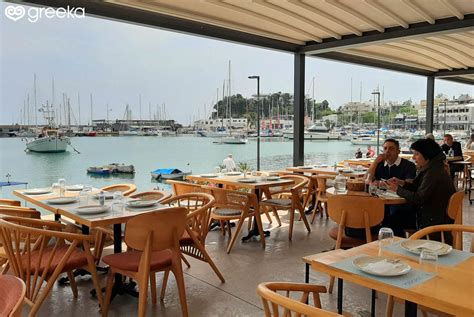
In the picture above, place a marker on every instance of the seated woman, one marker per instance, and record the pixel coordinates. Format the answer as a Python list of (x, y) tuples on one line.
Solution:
[(430, 191)]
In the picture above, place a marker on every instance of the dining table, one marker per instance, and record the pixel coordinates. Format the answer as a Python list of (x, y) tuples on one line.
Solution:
[(446, 286), (259, 185), (328, 170), (389, 198)]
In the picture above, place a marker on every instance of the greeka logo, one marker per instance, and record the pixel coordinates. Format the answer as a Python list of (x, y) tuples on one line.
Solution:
[(16, 13)]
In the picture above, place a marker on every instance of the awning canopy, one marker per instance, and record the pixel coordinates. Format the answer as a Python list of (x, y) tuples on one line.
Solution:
[(424, 37)]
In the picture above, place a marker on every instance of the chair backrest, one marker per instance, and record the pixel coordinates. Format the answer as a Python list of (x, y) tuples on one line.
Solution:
[(126, 189), (234, 199), (31, 245), (9, 202), (275, 304), (456, 230), (152, 195), (180, 187), (322, 181), (20, 212), (455, 207), (356, 212), (12, 294), (164, 227), (198, 207)]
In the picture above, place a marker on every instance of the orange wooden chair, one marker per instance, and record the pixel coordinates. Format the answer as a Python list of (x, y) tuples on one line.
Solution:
[(153, 241), (39, 251), (126, 189), (12, 295), (9, 202), (275, 304), (151, 195), (180, 187)]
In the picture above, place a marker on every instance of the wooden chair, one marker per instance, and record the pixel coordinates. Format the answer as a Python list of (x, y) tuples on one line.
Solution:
[(321, 196), (152, 195), (357, 212), (9, 202), (275, 304), (292, 203), (126, 189), (235, 205), (12, 295), (153, 241), (193, 241), (180, 187), (457, 231), (39, 251)]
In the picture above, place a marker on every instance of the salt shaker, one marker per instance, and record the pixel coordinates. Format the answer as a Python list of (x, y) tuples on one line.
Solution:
[(101, 197)]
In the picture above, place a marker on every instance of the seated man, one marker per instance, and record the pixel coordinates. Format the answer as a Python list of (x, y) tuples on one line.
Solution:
[(454, 148), (387, 165)]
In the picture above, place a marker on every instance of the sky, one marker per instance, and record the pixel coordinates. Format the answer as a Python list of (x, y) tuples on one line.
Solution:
[(118, 62)]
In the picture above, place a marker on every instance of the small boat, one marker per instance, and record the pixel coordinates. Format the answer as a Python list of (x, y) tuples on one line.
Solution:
[(121, 168), (168, 173), (99, 170), (52, 143), (233, 139)]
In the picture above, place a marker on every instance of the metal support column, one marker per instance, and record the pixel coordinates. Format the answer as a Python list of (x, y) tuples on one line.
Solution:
[(430, 84), (298, 124)]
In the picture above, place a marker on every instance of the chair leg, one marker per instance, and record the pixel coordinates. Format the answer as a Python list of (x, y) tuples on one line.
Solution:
[(153, 287), (208, 259), (229, 229), (305, 220), (268, 215), (142, 297), (163, 285), (178, 274), (222, 222), (108, 293), (260, 229), (275, 213), (389, 309), (236, 234), (249, 223), (331, 284), (317, 206), (185, 261), (72, 282), (292, 219)]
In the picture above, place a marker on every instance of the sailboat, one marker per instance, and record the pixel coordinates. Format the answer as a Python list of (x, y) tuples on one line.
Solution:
[(49, 140)]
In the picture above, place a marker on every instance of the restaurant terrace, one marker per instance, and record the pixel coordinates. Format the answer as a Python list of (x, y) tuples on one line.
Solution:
[(220, 269)]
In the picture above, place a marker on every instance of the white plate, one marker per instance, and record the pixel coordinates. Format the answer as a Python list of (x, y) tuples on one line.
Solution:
[(37, 191), (247, 180), (92, 209), (273, 178), (347, 170), (74, 188), (141, 203), (381, 266), (209, 175), (416, 246), (232, 173), (62, 200)]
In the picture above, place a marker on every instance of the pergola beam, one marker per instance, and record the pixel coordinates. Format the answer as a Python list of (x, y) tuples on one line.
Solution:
[(417, 30), (454, 73)]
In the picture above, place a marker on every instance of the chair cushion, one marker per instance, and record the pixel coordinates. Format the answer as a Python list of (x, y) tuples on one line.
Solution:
[(186, 238), (347, 242), (129, 261), (227, 212), (10, 293), (77, 259), (284, 202)]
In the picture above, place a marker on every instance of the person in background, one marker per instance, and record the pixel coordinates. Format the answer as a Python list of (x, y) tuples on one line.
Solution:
[(430, 191), (358, 153), (470, 143), (430, 136), (229, 163), (370, 152), (453, 148)]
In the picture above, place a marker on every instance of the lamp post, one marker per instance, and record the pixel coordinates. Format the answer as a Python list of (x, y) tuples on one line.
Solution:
[(377, 92), (444, 125), (258, 119)]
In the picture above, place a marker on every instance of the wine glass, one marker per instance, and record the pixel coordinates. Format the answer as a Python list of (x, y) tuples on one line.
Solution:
[(118, 200), (62, 186), (385, 238), (84, 197), (55, 189), (428, 260)]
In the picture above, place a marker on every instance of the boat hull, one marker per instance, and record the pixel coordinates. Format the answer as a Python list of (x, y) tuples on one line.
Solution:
[(48, 145)]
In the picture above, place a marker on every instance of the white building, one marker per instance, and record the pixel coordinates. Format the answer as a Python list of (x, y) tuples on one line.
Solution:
[(214, 124), (331, 118), (357, 107), (457, 116)]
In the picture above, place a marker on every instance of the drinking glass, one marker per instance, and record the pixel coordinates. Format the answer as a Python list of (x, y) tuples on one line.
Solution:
[(373, 189), (254, 173), (385, 238), (55, 189), (428, 260), (62, 186), (84, 197), (118, 200)]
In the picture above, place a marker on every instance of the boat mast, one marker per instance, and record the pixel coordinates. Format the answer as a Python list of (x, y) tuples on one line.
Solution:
[(79, 108), (230, 103), (223, 97), (91, 109), (36, 107), (314, 104), (217, 105)]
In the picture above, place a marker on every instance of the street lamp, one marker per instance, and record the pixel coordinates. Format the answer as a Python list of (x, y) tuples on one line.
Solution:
[(258, 119), (444, 125), (377, 92)]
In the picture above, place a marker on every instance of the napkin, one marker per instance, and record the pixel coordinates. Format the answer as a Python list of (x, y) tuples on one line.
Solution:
[(380, 267)]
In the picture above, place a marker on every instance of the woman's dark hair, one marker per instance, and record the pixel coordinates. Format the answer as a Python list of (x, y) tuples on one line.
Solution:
[(427, 147)]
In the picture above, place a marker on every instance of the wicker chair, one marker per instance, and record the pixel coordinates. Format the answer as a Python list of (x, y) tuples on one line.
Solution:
[(39, 251)]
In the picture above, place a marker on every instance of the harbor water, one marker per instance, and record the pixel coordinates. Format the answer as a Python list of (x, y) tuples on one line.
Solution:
[(188, 153)]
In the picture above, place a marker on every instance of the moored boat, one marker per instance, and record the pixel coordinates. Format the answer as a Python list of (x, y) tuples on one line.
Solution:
[(168, 173)]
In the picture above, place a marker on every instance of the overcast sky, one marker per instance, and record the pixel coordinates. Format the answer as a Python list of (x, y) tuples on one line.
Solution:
[(117, 62)]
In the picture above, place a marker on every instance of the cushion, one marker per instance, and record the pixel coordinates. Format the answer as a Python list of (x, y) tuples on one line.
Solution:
[(77, 259), (278, 201), (186, 239), (10, 293), (129, 261), (348, 242), (227, 212)]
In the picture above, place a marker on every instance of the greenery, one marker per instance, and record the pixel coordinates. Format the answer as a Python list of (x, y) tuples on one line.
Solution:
[(244, 167)]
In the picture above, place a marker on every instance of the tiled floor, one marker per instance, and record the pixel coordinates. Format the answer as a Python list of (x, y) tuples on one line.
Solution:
[(243, 269)]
